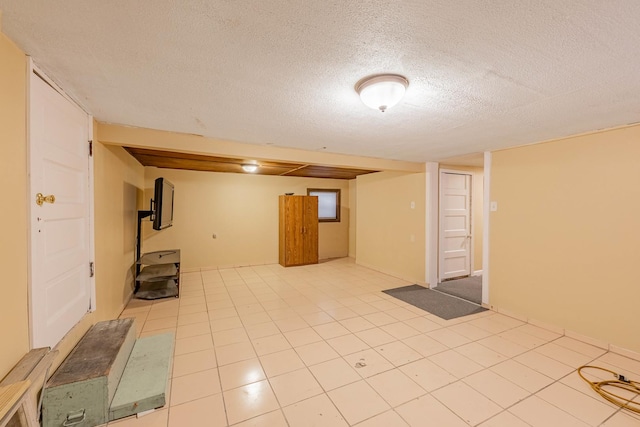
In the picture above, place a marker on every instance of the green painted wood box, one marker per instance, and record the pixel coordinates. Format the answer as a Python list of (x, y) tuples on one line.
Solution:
[(144, 383), (79, 393)]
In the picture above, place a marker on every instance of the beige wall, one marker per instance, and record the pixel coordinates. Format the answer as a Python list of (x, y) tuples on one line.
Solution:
[(242, 210), (353, 209), (14, 327), (386, 223), (119, 185), (564, 240), (477, 214)]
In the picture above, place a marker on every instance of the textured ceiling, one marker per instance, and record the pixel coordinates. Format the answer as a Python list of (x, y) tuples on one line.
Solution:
[(483, 75)]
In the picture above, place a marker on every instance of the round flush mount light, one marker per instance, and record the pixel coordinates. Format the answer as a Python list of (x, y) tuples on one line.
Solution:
[(250, 168), (382, 91)]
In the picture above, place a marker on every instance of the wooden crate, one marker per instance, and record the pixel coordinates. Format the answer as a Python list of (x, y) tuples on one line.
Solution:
[(82, 388)]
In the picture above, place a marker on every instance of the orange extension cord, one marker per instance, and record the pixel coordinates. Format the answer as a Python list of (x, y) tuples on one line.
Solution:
[(620, 382)]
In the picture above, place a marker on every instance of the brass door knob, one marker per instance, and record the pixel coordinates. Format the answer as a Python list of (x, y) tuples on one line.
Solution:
[(41, 199)]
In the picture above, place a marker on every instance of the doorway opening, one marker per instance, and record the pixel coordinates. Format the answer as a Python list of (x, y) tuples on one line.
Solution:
[(460, 228)]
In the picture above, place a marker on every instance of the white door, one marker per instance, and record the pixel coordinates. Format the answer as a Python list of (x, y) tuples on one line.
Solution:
[(455, 225), (60, 289)]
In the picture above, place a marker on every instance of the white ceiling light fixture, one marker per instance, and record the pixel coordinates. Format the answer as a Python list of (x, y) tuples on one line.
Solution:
[(382, 91), (249, 168)]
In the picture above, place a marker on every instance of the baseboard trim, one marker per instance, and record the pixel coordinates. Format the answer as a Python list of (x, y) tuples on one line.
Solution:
[(624, 352), (585, 339), (393, 274), (613, 348), (477, 273), (256, 264)]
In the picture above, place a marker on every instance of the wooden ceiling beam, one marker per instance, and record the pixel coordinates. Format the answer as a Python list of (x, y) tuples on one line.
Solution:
[(198, 162)]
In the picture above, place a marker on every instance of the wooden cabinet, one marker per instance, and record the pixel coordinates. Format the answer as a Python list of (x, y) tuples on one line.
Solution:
[(298, 230)]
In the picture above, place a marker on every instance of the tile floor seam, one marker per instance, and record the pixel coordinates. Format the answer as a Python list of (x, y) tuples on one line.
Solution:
[(532, 394), (459, 416), (266, 379), (341, 412), (559, 381), (224, 405), (504, 410)]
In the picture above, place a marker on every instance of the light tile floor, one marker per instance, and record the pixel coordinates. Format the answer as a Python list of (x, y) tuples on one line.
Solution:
[(320, 345)]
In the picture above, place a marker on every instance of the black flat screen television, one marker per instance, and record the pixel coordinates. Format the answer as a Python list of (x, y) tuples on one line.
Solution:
[(163, 204)]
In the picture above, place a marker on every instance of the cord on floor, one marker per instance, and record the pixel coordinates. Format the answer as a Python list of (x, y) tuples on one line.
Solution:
[(620, 382)]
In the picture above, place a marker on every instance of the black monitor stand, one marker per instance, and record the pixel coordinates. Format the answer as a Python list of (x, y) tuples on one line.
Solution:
[(141, 215), (157, 273)]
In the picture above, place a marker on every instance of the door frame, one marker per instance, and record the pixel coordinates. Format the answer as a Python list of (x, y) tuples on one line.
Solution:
[(440, 222), (432, 225), (486, 200), (32, 68)]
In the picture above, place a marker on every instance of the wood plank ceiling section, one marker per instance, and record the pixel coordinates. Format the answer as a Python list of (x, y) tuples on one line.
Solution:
[(199, 162)]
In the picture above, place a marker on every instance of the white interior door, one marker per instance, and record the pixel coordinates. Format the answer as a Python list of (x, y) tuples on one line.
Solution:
[(455, 225), (60, 288)]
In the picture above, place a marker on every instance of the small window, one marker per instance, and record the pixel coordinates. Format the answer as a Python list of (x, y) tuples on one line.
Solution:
[(328, 203)]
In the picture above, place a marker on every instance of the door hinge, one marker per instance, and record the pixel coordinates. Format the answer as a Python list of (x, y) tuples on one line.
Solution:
[(90, 148), (91, 269)]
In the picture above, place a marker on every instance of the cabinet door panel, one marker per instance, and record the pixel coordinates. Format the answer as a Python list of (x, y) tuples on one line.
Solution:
[(310, 230), (295, 244)]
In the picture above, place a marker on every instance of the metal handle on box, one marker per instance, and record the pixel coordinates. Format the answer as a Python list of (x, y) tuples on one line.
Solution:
[(74, 418)]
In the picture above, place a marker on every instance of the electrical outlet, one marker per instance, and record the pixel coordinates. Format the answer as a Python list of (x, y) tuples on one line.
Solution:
[(413, 205), (493, 206)]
